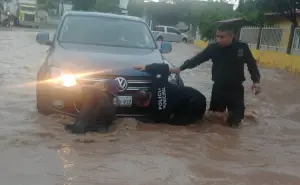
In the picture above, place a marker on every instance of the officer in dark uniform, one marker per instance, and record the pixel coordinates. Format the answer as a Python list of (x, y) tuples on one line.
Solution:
[(97, 111), (169, 103), (228, 56)]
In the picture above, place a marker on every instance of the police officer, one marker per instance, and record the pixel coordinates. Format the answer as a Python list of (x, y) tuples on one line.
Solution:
[(228, 57), (97, 111), (170, 103)]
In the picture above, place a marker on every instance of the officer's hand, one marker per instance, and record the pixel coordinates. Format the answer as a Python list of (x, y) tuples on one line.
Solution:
[(175, 70), (141, 68), (256, 89)]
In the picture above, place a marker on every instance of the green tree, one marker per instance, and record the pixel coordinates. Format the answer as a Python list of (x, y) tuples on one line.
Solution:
[(41, 1), (162, 13), (136, 8), (248, 10), (208, 18), (106, 6), (48, 4), (83, 5), (96, 5)]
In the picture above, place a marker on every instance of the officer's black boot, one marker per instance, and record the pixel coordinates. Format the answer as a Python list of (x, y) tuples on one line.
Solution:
[(233, 121)]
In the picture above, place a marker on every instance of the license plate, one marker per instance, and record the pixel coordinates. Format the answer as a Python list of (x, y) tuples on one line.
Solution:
[(123, 101)]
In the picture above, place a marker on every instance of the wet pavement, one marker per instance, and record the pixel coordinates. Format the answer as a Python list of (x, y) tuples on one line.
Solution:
[(35, 149)]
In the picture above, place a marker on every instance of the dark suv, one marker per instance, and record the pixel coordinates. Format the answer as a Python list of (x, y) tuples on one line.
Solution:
[(89, 47)]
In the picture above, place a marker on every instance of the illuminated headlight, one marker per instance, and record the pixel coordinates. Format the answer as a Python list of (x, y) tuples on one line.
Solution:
[(61, 78), (68, 80)]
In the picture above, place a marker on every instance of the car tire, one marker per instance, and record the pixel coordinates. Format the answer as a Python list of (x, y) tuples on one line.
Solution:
[(43, 103), (184, 40)]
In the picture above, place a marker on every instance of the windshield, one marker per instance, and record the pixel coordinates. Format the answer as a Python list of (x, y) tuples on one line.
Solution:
[(106, 31), (27, 8)]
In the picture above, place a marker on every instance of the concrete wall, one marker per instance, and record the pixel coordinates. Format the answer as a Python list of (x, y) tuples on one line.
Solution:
[(278, 60)]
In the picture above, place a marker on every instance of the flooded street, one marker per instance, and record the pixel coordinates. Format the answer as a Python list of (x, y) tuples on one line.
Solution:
[(35, 149)]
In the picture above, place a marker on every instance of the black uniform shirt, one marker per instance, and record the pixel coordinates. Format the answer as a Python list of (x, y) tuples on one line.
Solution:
[(185, 105), (168, 99), (228, 62)]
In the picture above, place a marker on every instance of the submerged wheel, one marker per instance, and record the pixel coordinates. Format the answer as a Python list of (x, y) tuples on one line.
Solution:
[(43, 103)]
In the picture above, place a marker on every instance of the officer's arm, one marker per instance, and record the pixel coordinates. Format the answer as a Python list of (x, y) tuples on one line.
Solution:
[(201, 57), (252, 65)]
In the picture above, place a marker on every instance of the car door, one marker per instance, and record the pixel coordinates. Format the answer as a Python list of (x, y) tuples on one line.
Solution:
[(167, 35), (159, 30), (174, 34), (170, 34), (177, 35)]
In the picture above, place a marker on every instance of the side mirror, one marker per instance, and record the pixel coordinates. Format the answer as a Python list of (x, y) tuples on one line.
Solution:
[(43, 39), (165, 47)]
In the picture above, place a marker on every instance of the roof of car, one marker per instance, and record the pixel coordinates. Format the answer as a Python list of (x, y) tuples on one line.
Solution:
[(108, 15)]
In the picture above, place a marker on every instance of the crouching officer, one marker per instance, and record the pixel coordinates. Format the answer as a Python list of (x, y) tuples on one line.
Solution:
[(228, 57), (97, 111), (170, 103)]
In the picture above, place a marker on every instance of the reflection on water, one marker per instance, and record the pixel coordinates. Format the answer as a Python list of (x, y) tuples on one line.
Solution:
[(37, 150)]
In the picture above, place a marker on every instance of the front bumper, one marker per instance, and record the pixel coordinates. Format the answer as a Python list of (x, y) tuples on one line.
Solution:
[(65, 100)]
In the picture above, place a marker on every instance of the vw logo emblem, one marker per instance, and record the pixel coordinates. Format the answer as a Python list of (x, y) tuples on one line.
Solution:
[(122, 83)]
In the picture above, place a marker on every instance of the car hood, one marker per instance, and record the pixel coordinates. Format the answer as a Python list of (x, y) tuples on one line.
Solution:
[(103, 59)]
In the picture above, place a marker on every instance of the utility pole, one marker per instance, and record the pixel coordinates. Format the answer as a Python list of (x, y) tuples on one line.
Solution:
[(61, 7)]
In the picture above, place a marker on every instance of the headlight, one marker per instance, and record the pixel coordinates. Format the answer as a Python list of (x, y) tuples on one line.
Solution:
[(68, 80), (172, 77), (61, 78)]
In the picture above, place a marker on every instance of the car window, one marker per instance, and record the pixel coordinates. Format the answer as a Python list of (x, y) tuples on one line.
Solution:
[(106, 31), (159, 28), (172, 30)]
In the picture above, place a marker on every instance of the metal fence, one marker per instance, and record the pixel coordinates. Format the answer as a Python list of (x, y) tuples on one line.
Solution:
[(296, 42), (250, 35), (271, 38)]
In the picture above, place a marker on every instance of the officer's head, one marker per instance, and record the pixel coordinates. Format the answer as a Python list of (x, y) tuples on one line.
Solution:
[(142, 98), (224, 35)]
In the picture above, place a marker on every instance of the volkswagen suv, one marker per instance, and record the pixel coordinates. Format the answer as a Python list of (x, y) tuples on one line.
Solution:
[(89, 47)]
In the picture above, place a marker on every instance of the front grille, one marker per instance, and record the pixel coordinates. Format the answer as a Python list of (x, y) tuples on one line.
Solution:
[(29, 17), (134, 83)]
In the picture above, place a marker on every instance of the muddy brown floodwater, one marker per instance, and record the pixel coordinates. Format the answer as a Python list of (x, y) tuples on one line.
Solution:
[(36, 150)]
